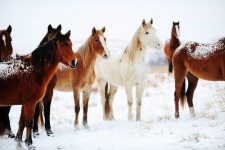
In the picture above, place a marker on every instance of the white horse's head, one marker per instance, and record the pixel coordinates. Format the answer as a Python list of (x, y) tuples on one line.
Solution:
[(148, 37)]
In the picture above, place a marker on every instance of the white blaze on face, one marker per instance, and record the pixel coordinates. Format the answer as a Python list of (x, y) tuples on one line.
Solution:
[(177, 31), (104, 45), (4, 39)]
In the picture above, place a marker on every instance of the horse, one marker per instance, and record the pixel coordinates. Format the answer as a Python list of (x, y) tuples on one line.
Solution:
[(24, 80), (77, 80), (172, 44), (195, 60), (128, 69), (4, 115), (6, 48)]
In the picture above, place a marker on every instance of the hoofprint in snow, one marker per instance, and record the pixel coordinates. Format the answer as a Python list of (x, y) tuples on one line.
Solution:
[(158, 129)]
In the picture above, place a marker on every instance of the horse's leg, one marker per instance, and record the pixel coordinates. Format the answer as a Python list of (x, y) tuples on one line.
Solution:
[(139, 91), (36, 115), (128, 89), (21, 128), (8, 130), (179, 75), (192, 84), (47, 104), (112, 92), (29, 109), (47, 107), (101, 83), (86, 96), (76, 95)]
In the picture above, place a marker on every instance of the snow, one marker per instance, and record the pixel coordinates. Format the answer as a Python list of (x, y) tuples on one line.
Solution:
[(201, 21)]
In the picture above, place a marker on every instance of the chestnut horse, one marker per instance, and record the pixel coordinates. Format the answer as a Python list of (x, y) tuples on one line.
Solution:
[(195, 60), (6, 49), (24, 80), (4, 111), (172, 44), (79, 79), (128, 69)]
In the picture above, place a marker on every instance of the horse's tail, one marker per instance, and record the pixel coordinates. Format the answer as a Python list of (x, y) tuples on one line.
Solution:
[(170, 67), (182, 94), (107, 108)]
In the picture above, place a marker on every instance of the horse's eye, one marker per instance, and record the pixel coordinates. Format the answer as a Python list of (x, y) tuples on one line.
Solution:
[(96, 41), (146, 32), (61, 45)]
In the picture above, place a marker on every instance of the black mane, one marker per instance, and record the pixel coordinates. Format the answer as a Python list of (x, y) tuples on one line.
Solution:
[(43, 54)]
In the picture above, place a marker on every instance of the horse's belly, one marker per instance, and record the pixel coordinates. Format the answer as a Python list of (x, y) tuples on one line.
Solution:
[(208, 72)]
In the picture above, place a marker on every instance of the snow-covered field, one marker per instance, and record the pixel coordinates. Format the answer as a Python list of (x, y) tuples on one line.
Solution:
[(201, 21)]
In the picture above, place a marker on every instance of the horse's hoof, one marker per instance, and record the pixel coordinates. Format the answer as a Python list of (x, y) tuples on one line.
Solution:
[(130, 118), (31, 147), (35, 134), (76, 127), (9, 133), (86, 126), (177, 115), (49, 132), (19, 145)]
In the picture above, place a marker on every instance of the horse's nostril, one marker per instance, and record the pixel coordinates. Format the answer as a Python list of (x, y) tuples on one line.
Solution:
[(73, 62), (105, 55)]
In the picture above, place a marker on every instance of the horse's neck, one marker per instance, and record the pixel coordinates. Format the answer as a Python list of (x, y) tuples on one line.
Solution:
[(175, 42), (47, 71), (88, 60), (139, 55)]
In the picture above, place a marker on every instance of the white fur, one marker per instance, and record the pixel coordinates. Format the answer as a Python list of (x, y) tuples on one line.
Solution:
[(121, 71), (177, 30), (104, 45), (192, 112), (4, 39)]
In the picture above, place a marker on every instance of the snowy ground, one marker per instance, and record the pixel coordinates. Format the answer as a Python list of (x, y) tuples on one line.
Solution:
[(158, 128), (201, 21)]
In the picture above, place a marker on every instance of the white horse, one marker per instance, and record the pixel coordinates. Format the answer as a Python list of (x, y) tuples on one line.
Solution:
[(129, 69)]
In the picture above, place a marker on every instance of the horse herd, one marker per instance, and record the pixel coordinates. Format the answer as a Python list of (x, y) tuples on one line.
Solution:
[(29, 80)]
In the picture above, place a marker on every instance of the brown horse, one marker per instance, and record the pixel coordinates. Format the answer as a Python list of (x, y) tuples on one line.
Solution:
[(27, 78), (172, 44), (195, 60), (5, 44), (79, 79), (4, 110)]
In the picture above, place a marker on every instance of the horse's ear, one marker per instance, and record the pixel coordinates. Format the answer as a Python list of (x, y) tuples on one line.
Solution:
[(103, 29), (68, 34), (173, 22), (94, 31), (49, 28), (143, 22), (151, 21), (178, 22), (59, 28), (9, 29)]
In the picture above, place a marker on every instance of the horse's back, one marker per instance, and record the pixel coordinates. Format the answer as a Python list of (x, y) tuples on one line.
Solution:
[(206, 61)]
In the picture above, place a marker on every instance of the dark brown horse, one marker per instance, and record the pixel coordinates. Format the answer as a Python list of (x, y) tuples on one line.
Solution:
[(4, 111), (6, 49), (172, 44), (79, 79), (195, 60), (24, 80)]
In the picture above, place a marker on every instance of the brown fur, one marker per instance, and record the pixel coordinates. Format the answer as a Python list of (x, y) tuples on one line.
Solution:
[(6, 50), (171, 45), (191, 61), (28, 87)]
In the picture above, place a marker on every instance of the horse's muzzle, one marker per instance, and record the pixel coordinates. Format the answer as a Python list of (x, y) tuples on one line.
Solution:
[(74, 63), (105, 56)]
